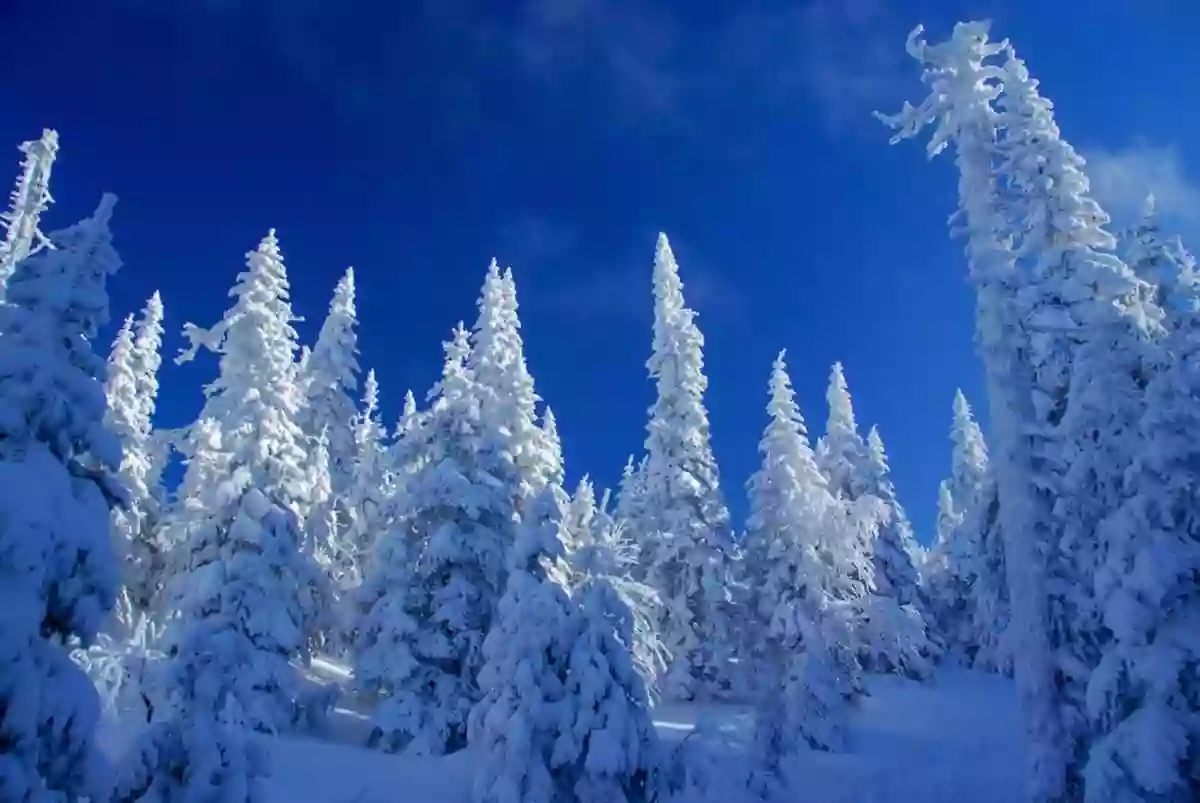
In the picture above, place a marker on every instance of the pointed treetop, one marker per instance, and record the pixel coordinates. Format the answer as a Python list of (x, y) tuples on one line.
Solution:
[(970, 450), (456, 378), (553, 465), (153, 311), (782, 395), (1150, 209), (343, 302), (875, 446), (841, 409), (948, 517), (410, 406), (120, 386), (668, 287), (29, 200), (123, 342), (785, 441), (150, 332), (147, 359), (370, 397)]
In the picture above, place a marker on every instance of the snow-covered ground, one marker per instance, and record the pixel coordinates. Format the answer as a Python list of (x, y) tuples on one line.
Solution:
[(956, 739)]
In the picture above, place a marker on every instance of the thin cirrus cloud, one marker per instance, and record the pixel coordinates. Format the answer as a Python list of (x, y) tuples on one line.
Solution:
[(1121, 179), (625, 291), (645, 62), (653, 63)]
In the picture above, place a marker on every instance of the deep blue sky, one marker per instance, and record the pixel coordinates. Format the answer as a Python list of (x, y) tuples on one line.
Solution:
[(415, 140)]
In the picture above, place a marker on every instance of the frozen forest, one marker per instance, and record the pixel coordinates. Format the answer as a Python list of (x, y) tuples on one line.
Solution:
[(433, 592)]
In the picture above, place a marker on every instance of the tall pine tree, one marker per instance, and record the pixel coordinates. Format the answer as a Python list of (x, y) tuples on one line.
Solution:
[(242, 585), (438, 573), (683, 525), (1063, 327), (805, 679), (132, 388), (330, 380), (58, 466)]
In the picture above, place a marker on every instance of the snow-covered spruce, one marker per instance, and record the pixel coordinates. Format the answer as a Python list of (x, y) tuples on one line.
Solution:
[(437, 573), (525, 456), (27, 202), (608, 745), (329, 380), (841, 455), (368, 495), (683, 525), (554, 464), (874, 532), (1168, 267), (803, 685), (842, 452), (895, 570), (132, 388), (565, 716), (608, 556), (1062, 324), (966, 582), (1092, 328), (242, 586), (1144, 694), (240, 619), (963, 87), (631, 501), (527, 709), (58, 466)]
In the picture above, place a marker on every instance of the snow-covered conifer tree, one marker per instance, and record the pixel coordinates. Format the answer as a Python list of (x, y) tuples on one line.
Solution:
[(609, 742), (525, 716), (1062, 327), (369, 492), (968, 588), (242, 584), (27, 203), (438, 573), (1092, 327), (1166, 265), (580, 517), (631, 494), (895, 573), (330, 380), (842, 453), (507, 397), (803, 683), (552, 444), (1143, 696), (132, 388), (683, 525), (58, 466)]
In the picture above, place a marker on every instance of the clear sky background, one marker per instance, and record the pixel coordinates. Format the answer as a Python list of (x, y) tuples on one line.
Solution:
[(416, 139)]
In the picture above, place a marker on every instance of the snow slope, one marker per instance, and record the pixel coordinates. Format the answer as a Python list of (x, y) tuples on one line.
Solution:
[(955, 739)]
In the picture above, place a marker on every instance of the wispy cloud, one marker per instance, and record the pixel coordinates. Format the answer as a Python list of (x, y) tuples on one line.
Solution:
[(626, 49), (529, 241), (846, 56), (1121, 180), (624, 291)]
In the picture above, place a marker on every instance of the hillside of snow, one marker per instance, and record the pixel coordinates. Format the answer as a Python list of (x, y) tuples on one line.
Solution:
[(955, 739)]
